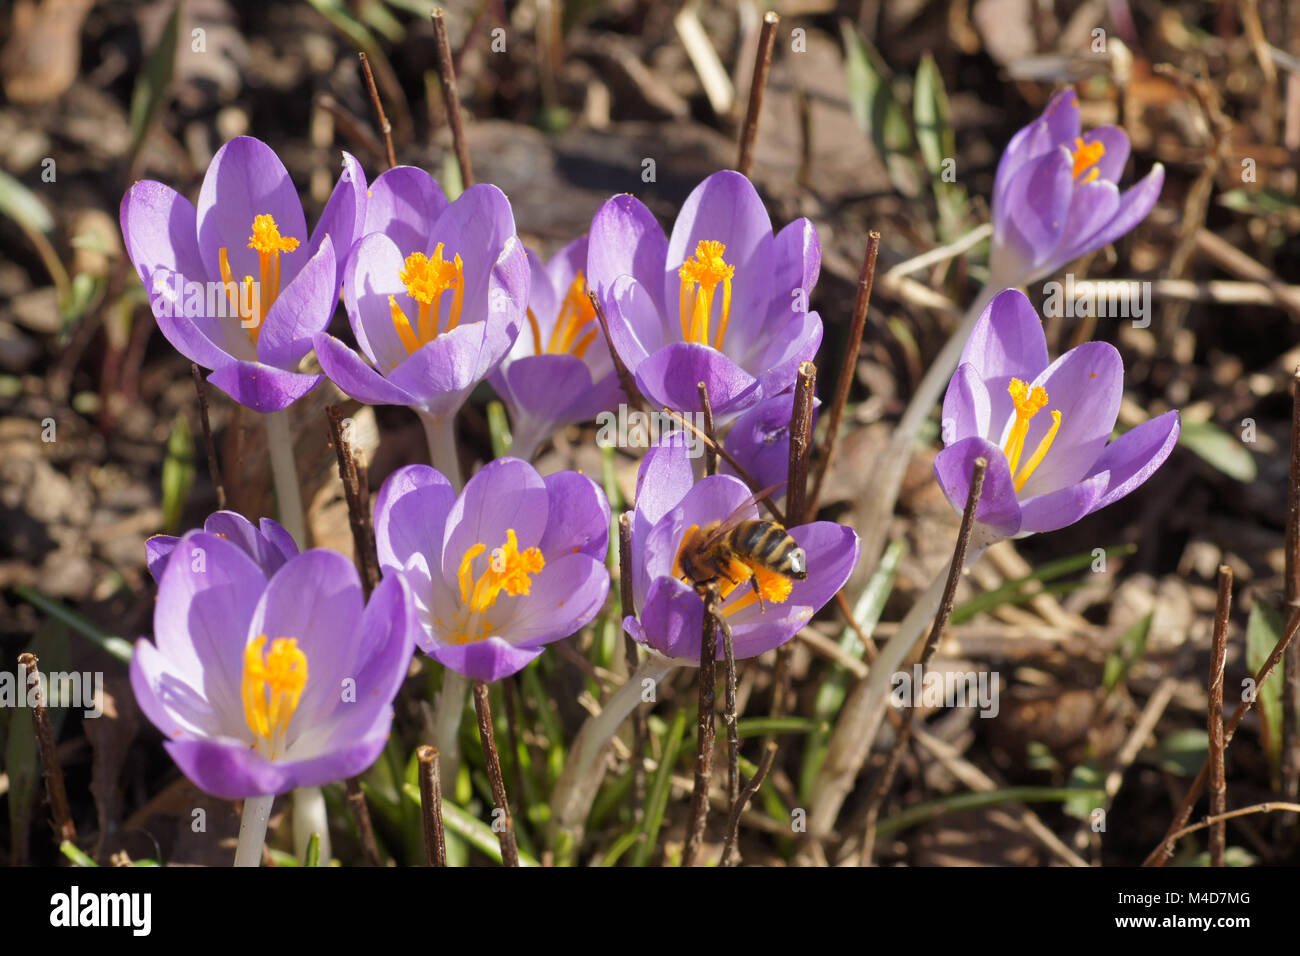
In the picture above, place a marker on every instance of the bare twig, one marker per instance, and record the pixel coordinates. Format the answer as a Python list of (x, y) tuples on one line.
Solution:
[(55, 791), (704, 729), (710, 456), (213, 471), (503, 824), (385, 127), (435, 837), (365, 828), (1271, 806), (358, 498), (801, 421), (901, 737), (1161, 853), (729, 857), (450, 95), (848, 370), (627, 606), (351, 126), (763, 63), (729, 713), (1291, 582), (1218, 784)]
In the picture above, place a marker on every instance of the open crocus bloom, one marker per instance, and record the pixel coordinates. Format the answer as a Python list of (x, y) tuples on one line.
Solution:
[(435, 293), (263, 685), (1044, 429), (722, 301), (559, 371), (672, 509), (514, 563), (237, 285), (267, 543), (1055, 197)]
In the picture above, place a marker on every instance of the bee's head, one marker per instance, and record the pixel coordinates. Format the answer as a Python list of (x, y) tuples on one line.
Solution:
[(798, 564)]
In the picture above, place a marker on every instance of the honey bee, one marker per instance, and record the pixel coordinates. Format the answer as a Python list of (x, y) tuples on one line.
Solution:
[(738, 550)]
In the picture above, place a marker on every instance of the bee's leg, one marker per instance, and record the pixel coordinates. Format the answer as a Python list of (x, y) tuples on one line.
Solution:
[(753, 581)]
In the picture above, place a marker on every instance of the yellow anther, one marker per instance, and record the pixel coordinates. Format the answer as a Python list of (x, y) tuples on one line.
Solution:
[(509, 570), (261, 295), (266, 238), (426, 280), (699, 280), (271, 687), (1028, 402), (1086, 156), (1040, 451)]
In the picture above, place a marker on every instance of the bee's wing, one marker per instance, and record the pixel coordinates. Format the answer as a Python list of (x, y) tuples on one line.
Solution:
[(737, 516)]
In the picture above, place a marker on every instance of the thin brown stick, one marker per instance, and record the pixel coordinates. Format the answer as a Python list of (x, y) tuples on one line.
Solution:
[(435, 837), (729, 716), (801, 421), (504, 825), (625, 378), (729, 855), (351, 126), (1219, 657), (849, 368), (704, 730), (710, 456), (55, 790), (450, 95), (358, 498), (1290, 770), (385, 127), (777, 512), (762, 64), (886, 779), (365, 828), (627, 606), (214, 472), (1271, 806), (1164, 850)]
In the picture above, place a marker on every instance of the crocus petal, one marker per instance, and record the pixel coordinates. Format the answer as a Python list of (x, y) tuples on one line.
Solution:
[(1092, 208), (965, 406), (371, 277), (263, 388), (1111, 164), (159, 230), (998, 507), (475, 227), (563, 599), (636, 326), (759, 440), (671, 375), (303, 309), (441, 373), (544, 393), (1060, 508), (506, 494), (228, 768), (487, 660), (342, 218), (157, 550), (402, 204), (1007, 342), (626, 240), (577, 517), (278, 540), (349, 372), (411, 515), (1037, 201), (724, 208), (670, 621), (269, 551), (1138, 200), (1133, 457), (1058, 124), (168, 698), (796, 264), (1085, 385), (246, 179), (794, 341), (200, 338)]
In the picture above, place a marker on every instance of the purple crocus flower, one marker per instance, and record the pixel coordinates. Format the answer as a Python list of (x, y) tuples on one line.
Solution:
[(237, 285), (267, 543), (1044, 428), (263, 685), (670, 507), (512, 564), (1055, 197), (722, 301), (559, 372), (759, 440), (435, 292)]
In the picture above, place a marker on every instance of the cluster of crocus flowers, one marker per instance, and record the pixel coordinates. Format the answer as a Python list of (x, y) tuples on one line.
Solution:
[(721, 301), (1056, 197), (1044, 429), (262, 682), (435, 292), (559, 371), (237, 284), (511, 565), (672, 511)]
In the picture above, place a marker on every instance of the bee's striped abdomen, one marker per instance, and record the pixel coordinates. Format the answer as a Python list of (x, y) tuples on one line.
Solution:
[(771, 546)]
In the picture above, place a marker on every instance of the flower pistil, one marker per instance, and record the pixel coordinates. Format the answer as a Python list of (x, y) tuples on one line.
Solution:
[(426, 280), (700, 277), (271, 687), (260, 296)]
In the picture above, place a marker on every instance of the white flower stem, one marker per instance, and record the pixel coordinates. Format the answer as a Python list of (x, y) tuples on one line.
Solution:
[(252, 830), (284, 472), (440, 432), (310, 816), (447, 714), (584, 768), (860, 719)]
